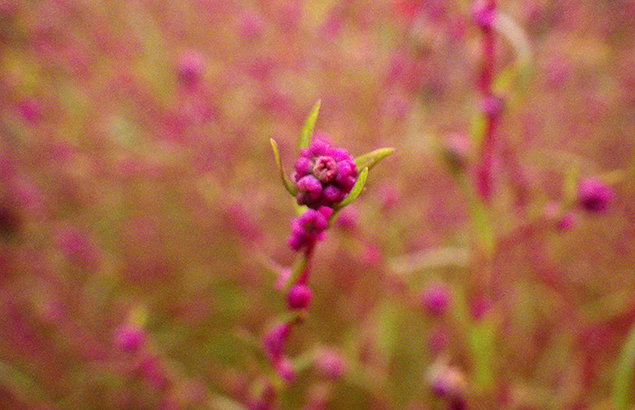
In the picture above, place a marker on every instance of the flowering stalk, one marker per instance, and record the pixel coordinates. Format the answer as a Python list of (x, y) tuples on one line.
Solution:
[(484, 13), (325, 179)]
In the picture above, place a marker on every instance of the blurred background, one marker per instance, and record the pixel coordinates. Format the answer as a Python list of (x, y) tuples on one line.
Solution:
[(143, 223)]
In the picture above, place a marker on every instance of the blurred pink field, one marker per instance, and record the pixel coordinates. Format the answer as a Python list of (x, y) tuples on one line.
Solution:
[(143, 224)]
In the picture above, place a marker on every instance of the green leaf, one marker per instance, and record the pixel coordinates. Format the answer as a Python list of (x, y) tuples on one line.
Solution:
[(357, 189), (307, 130), (369, 159), (293, 190)]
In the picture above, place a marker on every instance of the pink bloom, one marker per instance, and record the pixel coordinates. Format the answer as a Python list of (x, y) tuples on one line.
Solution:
[(324, 175)]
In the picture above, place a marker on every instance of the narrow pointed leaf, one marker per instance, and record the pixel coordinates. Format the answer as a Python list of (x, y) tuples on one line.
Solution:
[(357, 189), (369, 159), (293, 190), (307, 130)]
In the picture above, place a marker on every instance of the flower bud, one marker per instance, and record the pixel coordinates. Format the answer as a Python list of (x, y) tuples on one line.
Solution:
[(274, 341), (435, 299), (330, 363), (129, 338), (299, 297), (594, 195)]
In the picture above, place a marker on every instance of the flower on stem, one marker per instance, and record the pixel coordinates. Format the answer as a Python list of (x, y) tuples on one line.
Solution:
[(484, 14), (594, 195), (190, 68), (435, 299), (323, 175), (330, 362), (129, 338), (309, 228), (299, 296), (275, 340)]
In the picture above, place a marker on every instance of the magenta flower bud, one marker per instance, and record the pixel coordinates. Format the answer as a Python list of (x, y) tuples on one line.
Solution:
[(190, 68), (129, 338), (330, 195), (483, 14), (308, 228), (330, 363), (299, 297), (324, 175), (566, 222), (436, 298), (274, 341), (319, 147), (285, 369), (339, 154), (594, 195), (310, 189), (303, 166), (345, 169)]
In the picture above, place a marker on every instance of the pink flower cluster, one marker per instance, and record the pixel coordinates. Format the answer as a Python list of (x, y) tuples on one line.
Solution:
[(323, 175), (309, 228)]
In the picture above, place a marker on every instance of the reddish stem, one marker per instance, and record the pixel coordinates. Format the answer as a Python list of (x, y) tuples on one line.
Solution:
[(485, 13)]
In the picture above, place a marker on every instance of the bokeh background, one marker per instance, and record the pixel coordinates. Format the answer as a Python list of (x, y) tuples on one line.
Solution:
[(143, 223)]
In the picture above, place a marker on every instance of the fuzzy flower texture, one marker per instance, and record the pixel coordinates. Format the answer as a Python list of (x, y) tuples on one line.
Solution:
[(323, 175)]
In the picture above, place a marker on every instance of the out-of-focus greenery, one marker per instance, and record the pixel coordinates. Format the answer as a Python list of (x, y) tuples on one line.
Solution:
[(137, 186)]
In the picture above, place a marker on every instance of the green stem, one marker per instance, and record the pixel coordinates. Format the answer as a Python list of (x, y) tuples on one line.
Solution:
[(624, 373)]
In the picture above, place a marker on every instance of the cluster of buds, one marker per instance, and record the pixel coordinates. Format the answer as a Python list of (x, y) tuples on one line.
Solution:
[(325, 179), (309, 228), (324, 175)]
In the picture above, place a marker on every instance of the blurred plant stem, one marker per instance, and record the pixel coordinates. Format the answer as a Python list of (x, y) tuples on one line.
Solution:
[(623, 383)]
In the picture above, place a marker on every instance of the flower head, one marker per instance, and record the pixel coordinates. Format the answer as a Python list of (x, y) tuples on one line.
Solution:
[(323, 175)]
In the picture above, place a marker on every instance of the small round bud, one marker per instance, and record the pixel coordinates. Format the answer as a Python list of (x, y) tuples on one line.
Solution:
[(435, 299), (594, 195), (330, 363), (274, 341), (129, 338), (285, 369), (299, 297), (190, 68), (483, 14)]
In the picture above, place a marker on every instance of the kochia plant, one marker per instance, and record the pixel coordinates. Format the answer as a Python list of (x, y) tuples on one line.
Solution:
[(326, 179)]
